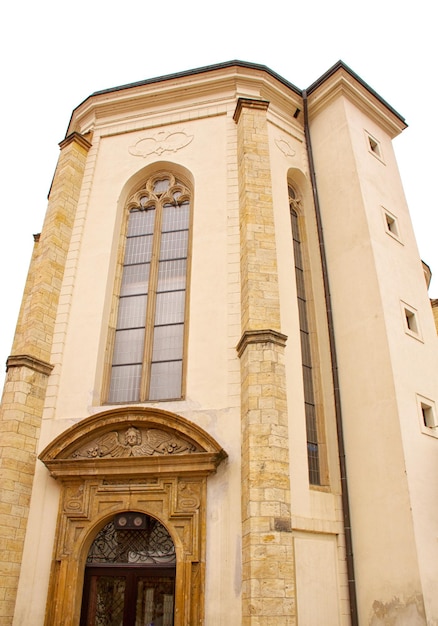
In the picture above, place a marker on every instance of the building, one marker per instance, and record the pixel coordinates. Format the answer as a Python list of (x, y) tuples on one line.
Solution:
[(221, 402)]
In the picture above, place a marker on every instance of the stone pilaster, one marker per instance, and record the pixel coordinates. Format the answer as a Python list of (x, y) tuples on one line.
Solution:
[(268, 561), (28, 367)]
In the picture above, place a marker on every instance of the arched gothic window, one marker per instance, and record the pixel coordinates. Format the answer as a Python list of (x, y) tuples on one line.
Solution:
[(147, 361), (306, 352)]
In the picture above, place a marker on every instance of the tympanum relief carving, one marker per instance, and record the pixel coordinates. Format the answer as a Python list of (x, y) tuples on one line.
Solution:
[(135, 442)]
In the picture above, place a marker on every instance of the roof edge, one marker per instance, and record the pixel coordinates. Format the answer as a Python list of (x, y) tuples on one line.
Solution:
[(201, 70), (340, 65)]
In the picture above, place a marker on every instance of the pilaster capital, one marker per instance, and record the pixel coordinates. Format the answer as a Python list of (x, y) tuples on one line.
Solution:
[(75, 138), (26, 360), (265, 335), (249, 103)]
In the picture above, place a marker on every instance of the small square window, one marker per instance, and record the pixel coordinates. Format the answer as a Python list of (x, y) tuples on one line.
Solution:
[(391, 224), (374, 146), (411, 322), (427, 416)]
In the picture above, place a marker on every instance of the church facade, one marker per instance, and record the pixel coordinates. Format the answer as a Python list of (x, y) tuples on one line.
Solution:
[(221, 401)]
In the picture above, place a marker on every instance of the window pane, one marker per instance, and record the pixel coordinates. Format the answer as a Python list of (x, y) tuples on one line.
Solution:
[(313, 459), (128, 346), (302, 310), (141, 222), (109, 602), (297, 255), (125, 383), (161, 185), (172, 275), (306, 355), (308, 384), (165, 380), (311, 428), (138, 249), (168, 342), (135, 279), (155, 599), (174, 245), (132, 312), (294, 223), (301, 292), (175, 217), (170, 308)]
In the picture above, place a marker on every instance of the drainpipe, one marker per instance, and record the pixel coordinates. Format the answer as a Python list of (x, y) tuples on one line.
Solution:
[(335, 377)]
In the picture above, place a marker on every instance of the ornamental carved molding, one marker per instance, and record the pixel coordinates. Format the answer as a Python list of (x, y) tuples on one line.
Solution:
[(160, 142)]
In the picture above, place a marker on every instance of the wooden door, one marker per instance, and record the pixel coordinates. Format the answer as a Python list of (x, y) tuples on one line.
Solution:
[(128, 596)]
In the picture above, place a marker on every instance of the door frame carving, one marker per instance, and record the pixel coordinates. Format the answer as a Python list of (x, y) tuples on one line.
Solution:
[(144, 460)]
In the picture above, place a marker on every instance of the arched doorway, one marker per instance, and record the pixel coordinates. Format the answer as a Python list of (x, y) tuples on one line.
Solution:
[(104, 471), (130, 574)]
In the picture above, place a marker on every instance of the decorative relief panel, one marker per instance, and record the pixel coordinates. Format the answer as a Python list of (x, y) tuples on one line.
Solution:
[(74, 501), (189, 496), (160, 142), (285, 147), (136, 442)]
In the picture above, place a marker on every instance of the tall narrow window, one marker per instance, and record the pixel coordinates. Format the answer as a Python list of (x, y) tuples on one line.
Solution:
[(149, 341), (306, 355)]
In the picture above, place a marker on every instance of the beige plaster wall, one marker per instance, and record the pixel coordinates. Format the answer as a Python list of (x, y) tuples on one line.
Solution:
[(314, 510), (381, 367), (213, 376)]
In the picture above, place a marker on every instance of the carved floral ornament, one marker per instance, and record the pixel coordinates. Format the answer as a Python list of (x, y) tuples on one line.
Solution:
[(122, 442)]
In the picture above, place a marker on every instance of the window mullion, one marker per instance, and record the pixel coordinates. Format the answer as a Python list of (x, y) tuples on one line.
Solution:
[(151, 304)]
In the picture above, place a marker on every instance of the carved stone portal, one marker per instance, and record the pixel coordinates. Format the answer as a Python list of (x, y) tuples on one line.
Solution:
[(144, 460)]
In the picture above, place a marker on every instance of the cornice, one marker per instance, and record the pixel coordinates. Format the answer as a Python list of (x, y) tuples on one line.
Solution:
[(25, 360), (341, 65), (75, 137), (201, 464), (265, 335), (209, 90), (249, 103), (341, 82)]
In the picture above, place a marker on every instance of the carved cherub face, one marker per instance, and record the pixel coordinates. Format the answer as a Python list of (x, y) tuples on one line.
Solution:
[(132, 437)]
